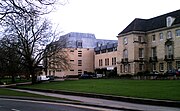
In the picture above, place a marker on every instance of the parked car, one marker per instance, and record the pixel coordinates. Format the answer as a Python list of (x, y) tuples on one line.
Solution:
[(171, 72), (154, 72), (178, 72), (98, 75), (86, 76), (42, 78)]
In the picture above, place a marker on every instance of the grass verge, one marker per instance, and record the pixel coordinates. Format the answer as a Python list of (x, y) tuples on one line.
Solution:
[(8, 92), (153, 89)]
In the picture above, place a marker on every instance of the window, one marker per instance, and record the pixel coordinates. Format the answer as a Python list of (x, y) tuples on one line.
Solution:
[(169, 50), (71, 50), (178, 33), (106, 61), (161, 67), (100, 62), (125, 41), (125, 53), (72, 70), (127, 68), (141, 53), (169, 66), (79, 62), (79, 71), (169, 21), (154, 66), (141, 67), (154, 53), (114, 61), (169, 35), (153, 37), (161, 36), (178, 65), (79, 54), (79, 44), (71, 60), (139, 39)]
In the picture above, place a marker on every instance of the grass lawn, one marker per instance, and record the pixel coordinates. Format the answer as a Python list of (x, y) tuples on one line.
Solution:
[(156, 89), (8, 92)]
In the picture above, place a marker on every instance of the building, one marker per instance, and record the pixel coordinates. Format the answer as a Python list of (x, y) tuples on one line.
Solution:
[(150, 45), (105, 59), (80, 51)]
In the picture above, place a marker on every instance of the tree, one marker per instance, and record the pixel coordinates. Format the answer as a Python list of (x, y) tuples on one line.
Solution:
[(10, 60), (29, 32), (21, 7)]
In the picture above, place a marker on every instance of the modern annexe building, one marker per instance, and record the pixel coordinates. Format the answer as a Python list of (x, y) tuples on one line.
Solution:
[(81, 55)]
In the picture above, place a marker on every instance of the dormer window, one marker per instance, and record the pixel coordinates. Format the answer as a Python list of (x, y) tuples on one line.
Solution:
[(169, 21)]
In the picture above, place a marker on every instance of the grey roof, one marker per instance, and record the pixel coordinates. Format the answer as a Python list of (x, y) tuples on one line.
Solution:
[(145, 25), (88, 40)]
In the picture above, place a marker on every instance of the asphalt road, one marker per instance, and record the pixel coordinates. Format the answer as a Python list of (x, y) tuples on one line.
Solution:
[(110, 103), (29, 105)]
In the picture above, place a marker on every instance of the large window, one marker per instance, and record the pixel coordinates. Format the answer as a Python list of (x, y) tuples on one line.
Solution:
[(100, 62), (114, 61), (79, 53), (169, 51), (169, 35), (161, 36), (106, 61), (178, 65), (141, 53), (169, 66), (154, 53), (141, 67), (178, 33), (153, 37), (154, 66), (79, 62), (125, 40), (140, 39), (125, 53), (161, 67)]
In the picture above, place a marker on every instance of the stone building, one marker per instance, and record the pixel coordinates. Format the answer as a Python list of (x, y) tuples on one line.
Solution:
[(150, 45), (105, 59)]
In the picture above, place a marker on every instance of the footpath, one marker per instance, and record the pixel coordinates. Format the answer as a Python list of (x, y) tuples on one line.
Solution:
[(107, 101)]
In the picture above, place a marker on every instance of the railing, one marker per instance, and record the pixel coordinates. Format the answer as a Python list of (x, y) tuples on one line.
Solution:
[(153, 59), (169, 57), (124, 60)]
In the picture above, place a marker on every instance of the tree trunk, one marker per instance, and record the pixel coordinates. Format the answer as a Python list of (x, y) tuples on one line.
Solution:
[(33, 78), (13, 78), (33, 74)]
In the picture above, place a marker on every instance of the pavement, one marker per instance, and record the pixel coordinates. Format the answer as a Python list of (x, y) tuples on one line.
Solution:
[(111, 104), (107, 101)]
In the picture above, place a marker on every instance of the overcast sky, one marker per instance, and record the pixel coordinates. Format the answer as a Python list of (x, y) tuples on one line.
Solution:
[(106, 18)]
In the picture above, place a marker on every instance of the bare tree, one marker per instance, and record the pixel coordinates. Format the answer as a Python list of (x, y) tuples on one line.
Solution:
[(21, 7), (22, 23), (31, 35)]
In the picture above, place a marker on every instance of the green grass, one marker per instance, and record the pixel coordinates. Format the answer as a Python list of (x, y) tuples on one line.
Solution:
[(8, 92), (17, 80), (155, 89)]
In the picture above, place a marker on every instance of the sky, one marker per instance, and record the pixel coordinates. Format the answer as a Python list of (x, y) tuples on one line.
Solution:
[(107, 18)]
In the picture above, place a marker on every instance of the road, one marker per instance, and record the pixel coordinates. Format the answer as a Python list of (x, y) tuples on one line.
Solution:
[(110, 103), (29, 105)]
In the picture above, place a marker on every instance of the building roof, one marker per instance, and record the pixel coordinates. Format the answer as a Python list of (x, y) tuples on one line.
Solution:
[(87, 40), (144, 25)]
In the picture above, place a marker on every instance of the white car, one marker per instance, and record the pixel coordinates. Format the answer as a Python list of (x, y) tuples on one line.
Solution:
[(42, 78)]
